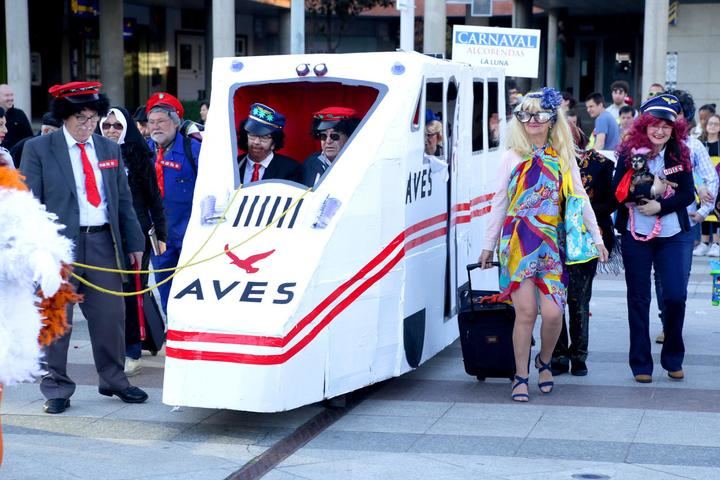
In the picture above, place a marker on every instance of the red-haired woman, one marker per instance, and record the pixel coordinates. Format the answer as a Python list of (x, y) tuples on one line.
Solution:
[(655, 229)]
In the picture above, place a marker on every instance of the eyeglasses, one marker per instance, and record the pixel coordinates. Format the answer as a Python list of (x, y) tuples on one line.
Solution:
[(430, 135), (663, 127), (324, 136), (116, 126), (82, 119), (540, 117), (260, 138), (159, 123)]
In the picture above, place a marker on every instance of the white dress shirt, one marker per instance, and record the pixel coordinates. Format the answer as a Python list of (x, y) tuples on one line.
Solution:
[(247, 176), (89, 215)]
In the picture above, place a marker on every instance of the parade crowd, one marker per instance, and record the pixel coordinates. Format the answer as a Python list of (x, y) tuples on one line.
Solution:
[(649, 213), (122, 186)]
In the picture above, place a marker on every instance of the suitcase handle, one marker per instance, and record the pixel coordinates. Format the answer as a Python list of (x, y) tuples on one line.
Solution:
[(470, 268)]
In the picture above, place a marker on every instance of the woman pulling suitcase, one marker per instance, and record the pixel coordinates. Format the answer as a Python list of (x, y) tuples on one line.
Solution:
[(527, 216)]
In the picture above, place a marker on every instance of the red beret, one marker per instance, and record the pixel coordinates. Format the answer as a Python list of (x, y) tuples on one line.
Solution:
[(76, 92), (164, 99), (335, 113), (331, 116)]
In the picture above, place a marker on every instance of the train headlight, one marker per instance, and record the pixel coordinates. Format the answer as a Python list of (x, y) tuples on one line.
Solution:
[(320, 69)]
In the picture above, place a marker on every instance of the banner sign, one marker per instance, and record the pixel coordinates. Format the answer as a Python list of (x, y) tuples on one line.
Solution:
[(516, 50)]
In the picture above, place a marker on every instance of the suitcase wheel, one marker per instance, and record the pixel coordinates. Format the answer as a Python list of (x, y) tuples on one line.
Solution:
[(153, 353), (480, 378)]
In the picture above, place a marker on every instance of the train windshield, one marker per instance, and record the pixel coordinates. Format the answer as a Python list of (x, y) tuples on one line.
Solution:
[(297, 102)]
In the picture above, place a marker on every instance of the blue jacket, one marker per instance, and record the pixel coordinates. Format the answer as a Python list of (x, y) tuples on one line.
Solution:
[(179, 177)]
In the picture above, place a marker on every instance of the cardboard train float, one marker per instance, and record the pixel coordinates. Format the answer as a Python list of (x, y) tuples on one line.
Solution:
[(326, 290)]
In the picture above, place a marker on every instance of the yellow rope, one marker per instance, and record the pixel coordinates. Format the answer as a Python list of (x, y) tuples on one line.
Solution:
[(179, 268)]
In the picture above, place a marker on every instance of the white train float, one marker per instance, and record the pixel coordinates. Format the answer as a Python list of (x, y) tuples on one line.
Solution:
[(322, 301)]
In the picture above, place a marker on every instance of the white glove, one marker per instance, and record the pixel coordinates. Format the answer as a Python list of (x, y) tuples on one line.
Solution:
[(46, 271)]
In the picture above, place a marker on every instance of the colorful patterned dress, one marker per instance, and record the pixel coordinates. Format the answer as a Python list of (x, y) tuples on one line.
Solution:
[(531, 245)]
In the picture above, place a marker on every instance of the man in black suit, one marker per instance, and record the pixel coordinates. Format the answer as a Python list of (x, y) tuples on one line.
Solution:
[(332, 126), (18, 124), (261, 135), (80, 177)]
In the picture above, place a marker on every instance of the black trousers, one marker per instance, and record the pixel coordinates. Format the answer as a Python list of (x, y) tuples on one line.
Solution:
[(579, 294), (105, 316)]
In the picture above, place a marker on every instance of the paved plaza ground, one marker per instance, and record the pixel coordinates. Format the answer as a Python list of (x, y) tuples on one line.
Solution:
[(434, 423)]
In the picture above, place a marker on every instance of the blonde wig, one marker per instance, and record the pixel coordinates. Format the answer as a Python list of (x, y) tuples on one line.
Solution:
[(560, 135), (434, 126)]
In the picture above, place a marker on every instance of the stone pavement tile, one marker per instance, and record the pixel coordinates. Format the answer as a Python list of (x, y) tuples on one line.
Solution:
[(229, 434), (674, 455), (386, 424), (316, 455), (574, 450), (680, 428), (613, 471), (363, 441), (288, 419), (468, 445), (233, 452), (41, 424), (492, 411), (684, 471), (106, 459), (588, 423), (386, 466), (133, 429), (482, 427), (159, 412), (282, 475), (193, 474), (401, 408)]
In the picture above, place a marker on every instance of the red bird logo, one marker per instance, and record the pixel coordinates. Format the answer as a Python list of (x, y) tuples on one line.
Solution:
[(247, 264)]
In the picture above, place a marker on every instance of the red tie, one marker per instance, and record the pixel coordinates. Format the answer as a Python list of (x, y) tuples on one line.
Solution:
[(256, 172), (159, 170), (91, 189)]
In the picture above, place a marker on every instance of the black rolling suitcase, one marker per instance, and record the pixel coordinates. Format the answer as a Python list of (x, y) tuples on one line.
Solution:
[(486, 333)]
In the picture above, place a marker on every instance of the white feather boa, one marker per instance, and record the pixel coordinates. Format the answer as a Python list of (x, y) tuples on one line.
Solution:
[(31, 250)]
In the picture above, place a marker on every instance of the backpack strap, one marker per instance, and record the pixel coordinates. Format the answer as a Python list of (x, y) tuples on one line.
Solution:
[(187, 147)]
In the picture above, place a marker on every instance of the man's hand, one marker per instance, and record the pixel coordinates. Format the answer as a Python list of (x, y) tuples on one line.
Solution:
[(135, 259), (485, 259), (651, 207), (162, 247)]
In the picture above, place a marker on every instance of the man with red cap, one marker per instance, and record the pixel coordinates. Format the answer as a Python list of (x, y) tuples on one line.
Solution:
[(176, 169), (332, 126), (80, 177)]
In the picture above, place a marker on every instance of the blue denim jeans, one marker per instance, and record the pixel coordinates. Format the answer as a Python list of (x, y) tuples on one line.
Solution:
[(669, 257)]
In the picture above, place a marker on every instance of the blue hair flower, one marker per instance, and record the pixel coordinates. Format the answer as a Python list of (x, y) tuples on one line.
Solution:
[(550, 99)]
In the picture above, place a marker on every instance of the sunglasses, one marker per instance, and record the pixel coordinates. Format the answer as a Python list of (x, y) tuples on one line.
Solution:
[(116, 126), (540, 117), (324, 136)]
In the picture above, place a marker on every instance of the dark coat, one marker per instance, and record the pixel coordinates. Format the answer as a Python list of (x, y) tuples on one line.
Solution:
[(16, 150), (684, 194), (48, 171), (596, 172), (312, 167), (280, 168), (147, 201), (18, 127)]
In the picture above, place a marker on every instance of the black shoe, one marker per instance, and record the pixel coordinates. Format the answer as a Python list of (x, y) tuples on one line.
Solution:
[(579, 369), (558, 367), (56, 405), (129, 395)]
